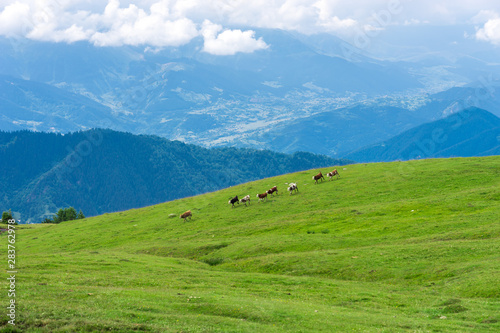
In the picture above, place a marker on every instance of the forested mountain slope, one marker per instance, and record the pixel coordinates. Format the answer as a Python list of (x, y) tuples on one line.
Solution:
[(471, 132)]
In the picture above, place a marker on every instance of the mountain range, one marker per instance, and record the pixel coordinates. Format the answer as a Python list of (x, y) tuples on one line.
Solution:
[(300, 90)]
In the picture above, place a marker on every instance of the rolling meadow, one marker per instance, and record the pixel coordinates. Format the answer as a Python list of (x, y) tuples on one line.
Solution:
[(387, 247)]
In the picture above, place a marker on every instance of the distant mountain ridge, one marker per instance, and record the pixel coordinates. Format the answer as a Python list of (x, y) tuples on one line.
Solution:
[(101, 171), (471, 132), (34, 105), (298, 91), (338, 131)]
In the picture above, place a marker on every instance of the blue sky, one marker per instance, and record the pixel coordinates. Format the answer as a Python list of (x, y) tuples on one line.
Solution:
[(227, 26)]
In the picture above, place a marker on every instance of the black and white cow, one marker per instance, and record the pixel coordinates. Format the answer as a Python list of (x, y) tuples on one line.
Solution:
[(293, 187), (233, 201)]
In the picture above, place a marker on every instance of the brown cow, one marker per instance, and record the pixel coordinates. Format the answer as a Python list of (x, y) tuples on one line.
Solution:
[(318, 177), (272, 190), (185, 215), (262, 196), (333, 173)]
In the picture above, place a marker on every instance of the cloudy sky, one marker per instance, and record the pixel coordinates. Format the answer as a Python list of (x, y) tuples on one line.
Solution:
[(226, 26)]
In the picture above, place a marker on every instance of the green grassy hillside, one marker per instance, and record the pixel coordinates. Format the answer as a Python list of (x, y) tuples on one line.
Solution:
[(388, 247)]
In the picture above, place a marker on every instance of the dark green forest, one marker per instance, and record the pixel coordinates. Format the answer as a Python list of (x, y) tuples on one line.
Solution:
[(99, 171)]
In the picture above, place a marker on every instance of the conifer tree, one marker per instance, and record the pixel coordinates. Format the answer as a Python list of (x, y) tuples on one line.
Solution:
[(6, 216)]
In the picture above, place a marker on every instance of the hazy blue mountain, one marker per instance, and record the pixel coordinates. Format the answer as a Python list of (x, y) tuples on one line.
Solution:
[(288, 63), (422, 43), (292, 62), (482, 94), (42, 107), (338, 131), (101, 171), (184, 93), (471, 132)]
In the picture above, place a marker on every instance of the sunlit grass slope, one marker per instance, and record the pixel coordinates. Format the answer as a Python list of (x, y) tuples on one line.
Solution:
[(388, 247)]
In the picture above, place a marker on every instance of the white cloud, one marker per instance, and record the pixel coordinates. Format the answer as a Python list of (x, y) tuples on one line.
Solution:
[(304, 16), (47, 32), (14, 20), (490, 29), (135, 26), (412, 22), (229, 42), (161, 23), (490, 32), (329, 20), (484, 16), (115, 26)]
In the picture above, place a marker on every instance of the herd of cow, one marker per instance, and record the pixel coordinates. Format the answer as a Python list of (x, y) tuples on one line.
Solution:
[(263, 196)]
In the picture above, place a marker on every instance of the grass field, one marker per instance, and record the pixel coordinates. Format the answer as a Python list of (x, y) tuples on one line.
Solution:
[(388, 247)]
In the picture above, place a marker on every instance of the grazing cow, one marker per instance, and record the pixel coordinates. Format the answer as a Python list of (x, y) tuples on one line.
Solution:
[(293, 187), (245, 200), (272, 190), (233, 201), (186, 215), (333, 173), (262, 196), (318, 177)]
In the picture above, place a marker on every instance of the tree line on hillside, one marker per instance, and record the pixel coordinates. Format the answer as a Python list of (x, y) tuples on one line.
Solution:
[(62, 215), (65, 214)]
